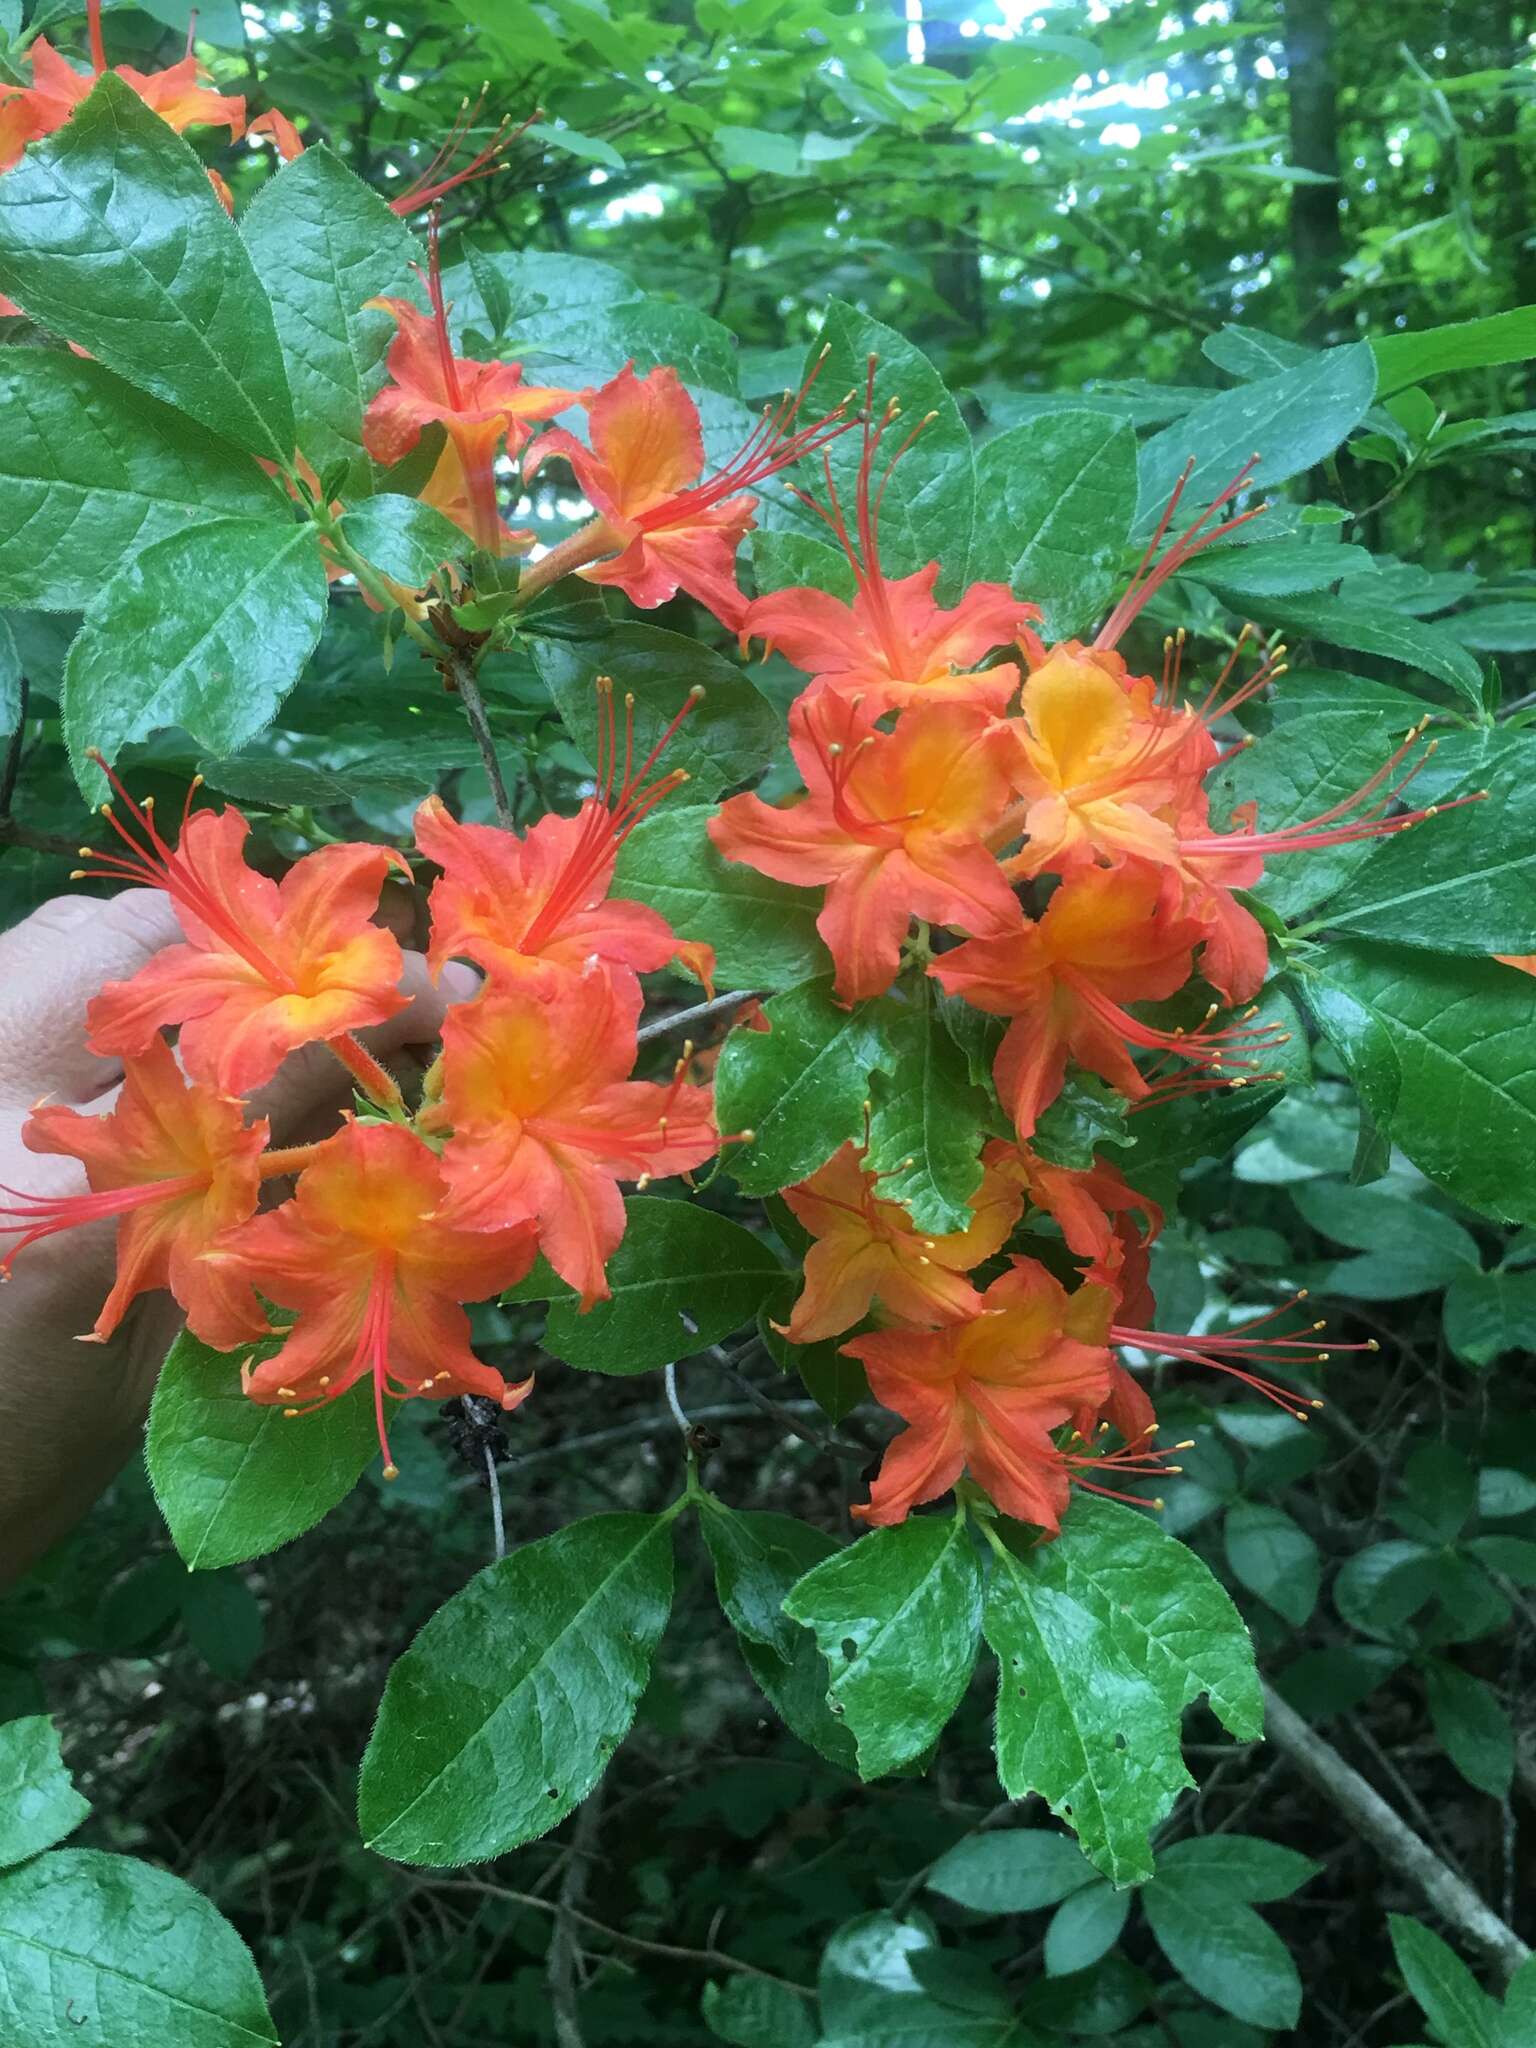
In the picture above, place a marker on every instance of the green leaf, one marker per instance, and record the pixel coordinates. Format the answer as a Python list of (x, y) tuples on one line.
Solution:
[(1498, 628), (1170, 1614), (886, 1983), (763, 932), (1085, 1115), (1010, 1870), (111, 236), (38, 1801), (1277, 568), (1517, 2022), (91, 470), (1471, 1727), (1085, 1927), (1453, 2002), (757, 1559), (725, 739), (799, 1087), (106, 1949), (1381, 629), (929, 508), (1241, 1867), (322, 245), (1464, 882), (405, 539), (791, 561), (1078, 1721), (759, 149), (897, 1616), (683, 1278), (1292, 420), (234, 1478), (224, 1622), (1273, 1556), (1055, 498), (221, 619), (503, 1714), (753, 2012), (1409, 1247), (11, 673), (1223, 1950), (1404, 359), (929, 1121), (1488, 1315), (1441, 1049)]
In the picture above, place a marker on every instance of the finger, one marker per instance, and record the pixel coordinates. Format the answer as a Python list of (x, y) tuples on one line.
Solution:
[(312, 1088), (51, 964)]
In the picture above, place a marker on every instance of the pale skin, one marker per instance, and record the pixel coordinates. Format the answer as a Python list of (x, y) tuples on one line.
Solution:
[(72, 1413)]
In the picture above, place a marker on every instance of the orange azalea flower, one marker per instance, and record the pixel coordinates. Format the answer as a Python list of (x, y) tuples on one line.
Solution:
[(374, 1260), (867, 1250), (482, 406), (440, 178), (893, 644), (1109, 936), (546, 1121), (180, 94), (894, 823), (1096, 1209), (984, 1396), (266, 967), (177, 1165), (1526, 962), (667, 525), (519, 907)]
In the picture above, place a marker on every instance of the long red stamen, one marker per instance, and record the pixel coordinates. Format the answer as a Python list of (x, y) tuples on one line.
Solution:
[(161, 866), (44, 1215), (611, 814), (437, 181), (774, 444), (1375, 823), (1151, 574), (1224, 1351), (1202, 1046), (98, 44)]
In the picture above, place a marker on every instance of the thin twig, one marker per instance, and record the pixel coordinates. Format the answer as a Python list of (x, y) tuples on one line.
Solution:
[(836, 1447), (1391, 1837), (564, 1961), (679, 1413), (12, 767), (468, 687), (707, 1958), (716, 1007), (498, 1520)]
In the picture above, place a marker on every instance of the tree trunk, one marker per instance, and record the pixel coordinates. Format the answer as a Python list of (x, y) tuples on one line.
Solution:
[(1317, 234)]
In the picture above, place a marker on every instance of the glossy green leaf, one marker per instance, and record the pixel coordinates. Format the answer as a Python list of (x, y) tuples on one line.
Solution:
[(1277, 568), (1223, 1950), (1010, 1870), (928, 511), (1463, 882), (109, 1952), (1379, 1220), (1291, 420), (1055, 499), (221, 618), (763, 932), (1381, 629), (111, 235), (1169, 1613), (405, 539), (897, 1616), (1078, 1721), (1458, 2009), (1273, 1556), (929, 1120), (322, 245), (1471, 1727), (757, 1559), (800, 1087), (504, 1712), (91, 470), (1444, 1052), (1241, 1867), (683, 1278), (1404, 359), (726, 738), (1085, 1927), (236, 1479), (38, 1801)]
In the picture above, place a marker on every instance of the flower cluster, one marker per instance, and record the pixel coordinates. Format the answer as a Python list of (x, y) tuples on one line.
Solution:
[(1047, 816), (528, 1118)]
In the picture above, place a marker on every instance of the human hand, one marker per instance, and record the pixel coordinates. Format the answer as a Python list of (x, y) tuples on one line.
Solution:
[(71, 1413)]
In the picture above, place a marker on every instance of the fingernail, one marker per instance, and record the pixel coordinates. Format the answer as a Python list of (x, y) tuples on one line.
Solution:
[(459, 983)]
